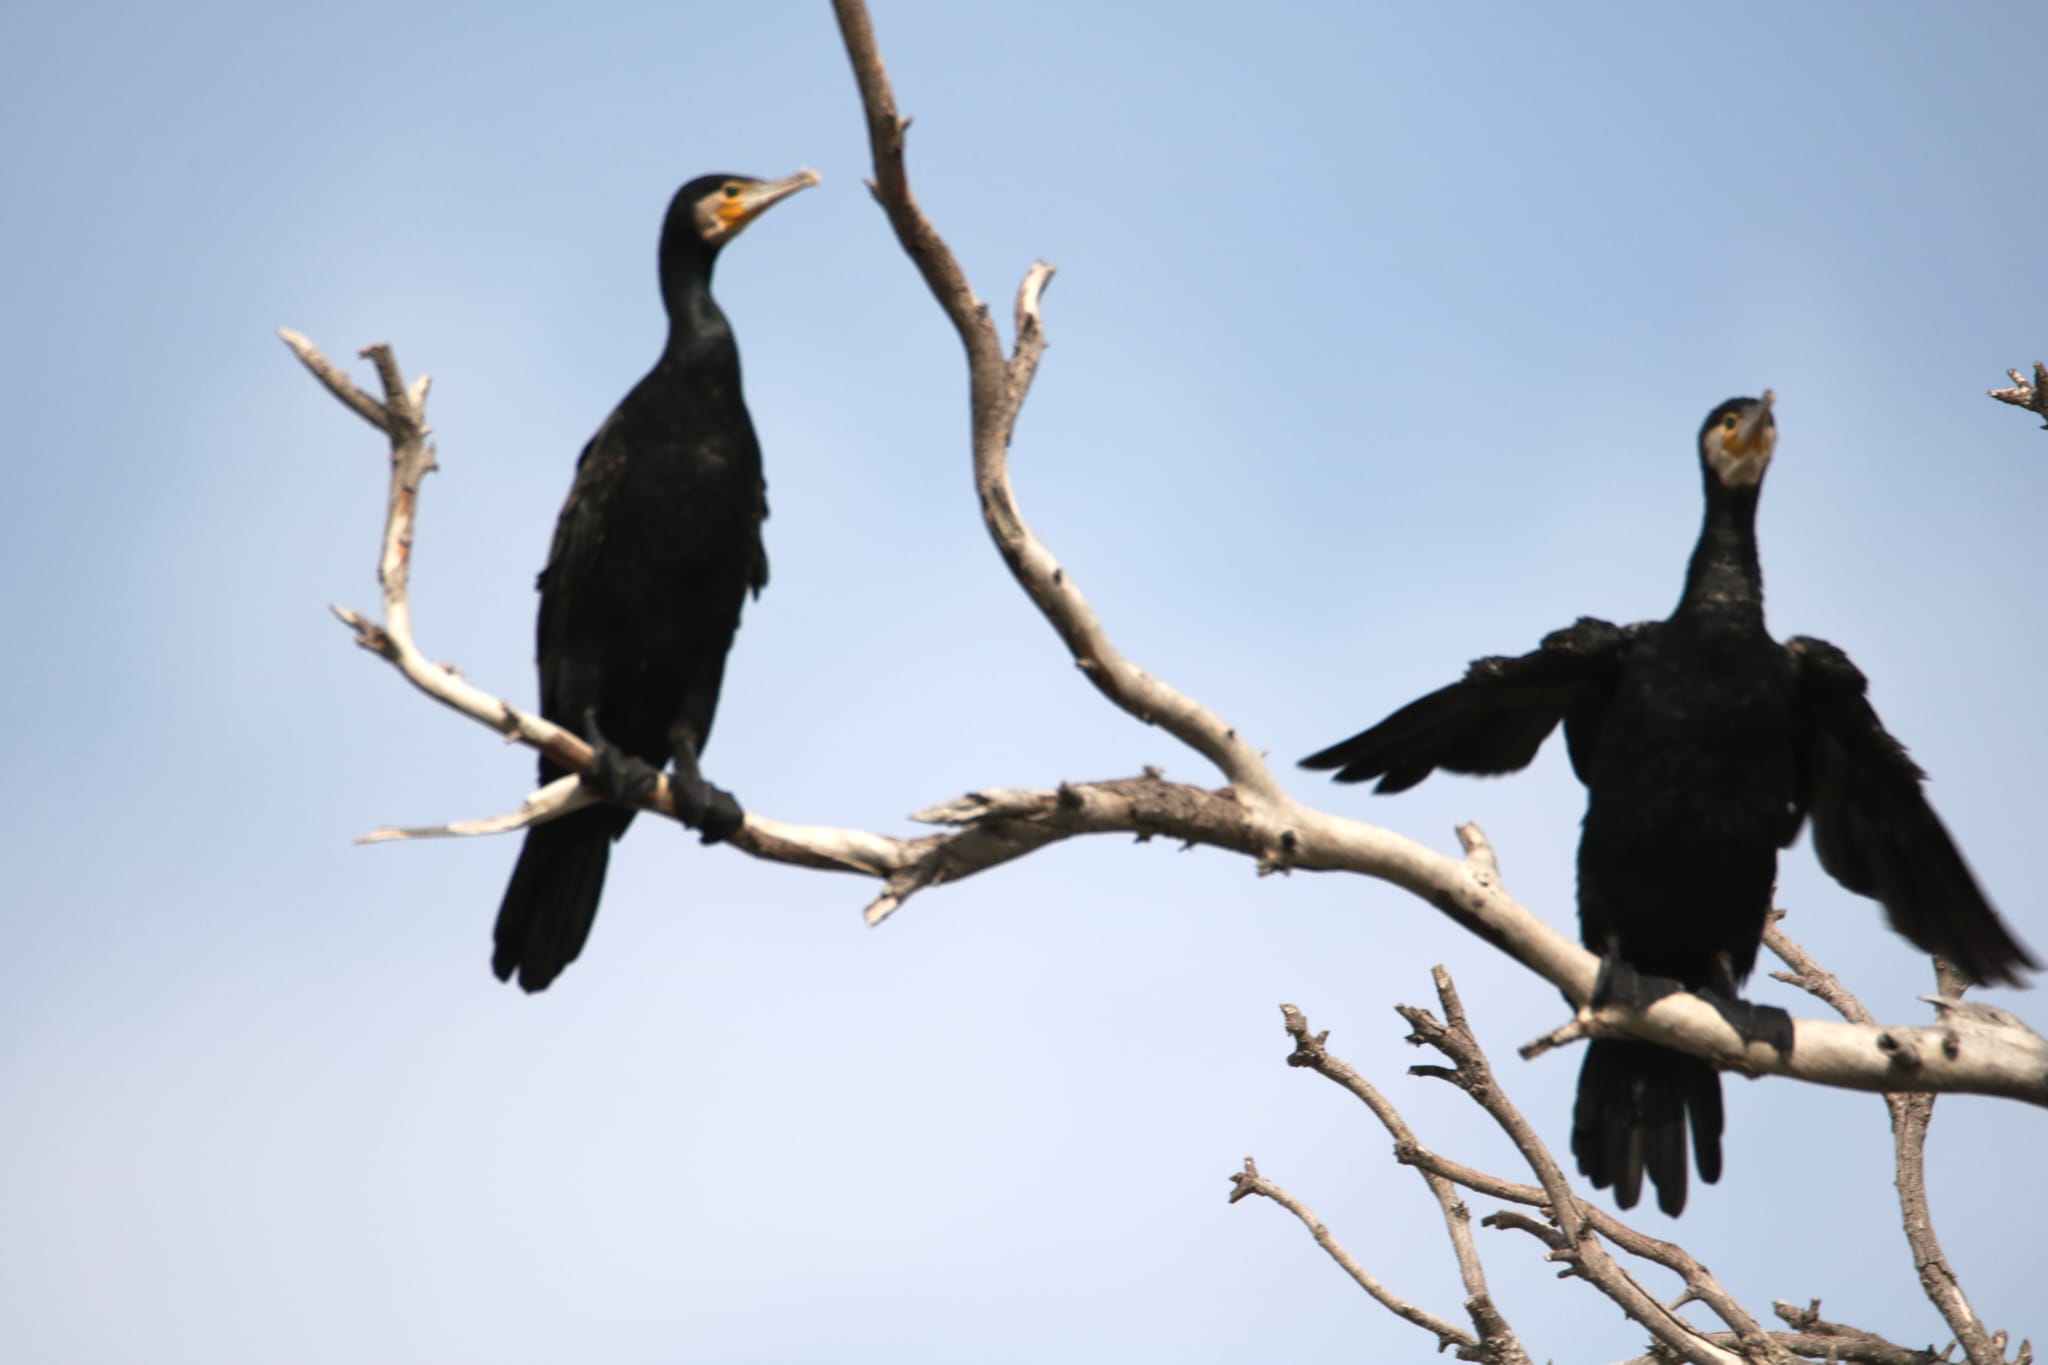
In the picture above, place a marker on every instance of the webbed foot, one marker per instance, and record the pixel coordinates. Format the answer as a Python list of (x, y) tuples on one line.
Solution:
[(615, 775), (710, 810)]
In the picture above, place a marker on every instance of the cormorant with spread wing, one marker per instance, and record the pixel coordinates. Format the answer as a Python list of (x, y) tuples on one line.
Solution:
[(654, 555), (1703, 744)]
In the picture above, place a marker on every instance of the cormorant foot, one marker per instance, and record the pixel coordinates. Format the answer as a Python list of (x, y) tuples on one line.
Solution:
[(1621, 984), (1766, 1024), (710, 810), (615, 775)]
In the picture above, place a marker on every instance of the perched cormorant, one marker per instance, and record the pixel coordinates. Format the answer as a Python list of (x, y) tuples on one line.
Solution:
[(1703, 744), (654, 554)]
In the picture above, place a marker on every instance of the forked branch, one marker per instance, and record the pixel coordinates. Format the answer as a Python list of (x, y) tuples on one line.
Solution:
[(1910, 1115), (2031, 396), (1573, 1232)]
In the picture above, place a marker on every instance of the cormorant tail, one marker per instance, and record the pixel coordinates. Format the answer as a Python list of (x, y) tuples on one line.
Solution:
[(552, 898), (1634, 1102)]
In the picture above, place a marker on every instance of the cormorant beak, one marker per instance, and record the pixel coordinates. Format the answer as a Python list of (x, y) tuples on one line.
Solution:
[(1756, 433), (755, 197)]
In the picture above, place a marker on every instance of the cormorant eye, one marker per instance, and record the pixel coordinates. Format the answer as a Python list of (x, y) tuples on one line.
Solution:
[(732, 191), (1729, 422)]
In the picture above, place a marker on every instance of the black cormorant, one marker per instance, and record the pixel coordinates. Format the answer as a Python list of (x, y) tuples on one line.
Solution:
[(1703, 744), (654, 555)]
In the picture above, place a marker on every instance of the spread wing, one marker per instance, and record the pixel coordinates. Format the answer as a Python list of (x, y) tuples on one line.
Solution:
[(1874, 831), (1496, 717)]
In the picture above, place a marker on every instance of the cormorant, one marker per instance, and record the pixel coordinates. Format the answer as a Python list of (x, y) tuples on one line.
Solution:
[(1703, 744), (654, 554)]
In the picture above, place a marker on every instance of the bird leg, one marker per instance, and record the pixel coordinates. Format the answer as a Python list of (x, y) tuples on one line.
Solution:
[(1765, 1024), (699, 805), (615, 775)]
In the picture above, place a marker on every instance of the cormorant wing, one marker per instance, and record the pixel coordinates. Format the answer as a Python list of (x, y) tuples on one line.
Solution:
[(1497, 717), (565, 685), (1874, 831)]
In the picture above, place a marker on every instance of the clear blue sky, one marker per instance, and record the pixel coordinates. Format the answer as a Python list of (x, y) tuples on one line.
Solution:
[(1379, 342)]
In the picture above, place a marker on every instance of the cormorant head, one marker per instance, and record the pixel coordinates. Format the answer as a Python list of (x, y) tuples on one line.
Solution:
[(713, 208), (1737, 440)]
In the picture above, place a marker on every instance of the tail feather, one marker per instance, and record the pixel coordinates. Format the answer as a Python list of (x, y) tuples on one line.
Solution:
[(1636, 1101), (552, 898)]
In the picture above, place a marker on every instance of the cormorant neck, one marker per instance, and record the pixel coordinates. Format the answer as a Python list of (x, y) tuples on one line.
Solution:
[(694, 318), (1726, 571)]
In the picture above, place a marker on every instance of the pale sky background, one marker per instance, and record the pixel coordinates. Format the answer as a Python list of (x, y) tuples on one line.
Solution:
[(1379, 342)]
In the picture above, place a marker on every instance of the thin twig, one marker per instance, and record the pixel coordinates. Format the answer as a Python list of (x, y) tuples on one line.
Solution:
[(1747, 1339), (401, 416), (1495, 1335), (1448, 1335)]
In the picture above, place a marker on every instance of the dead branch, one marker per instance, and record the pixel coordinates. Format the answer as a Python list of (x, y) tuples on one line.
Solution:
[(1562, 1223), (402, 417), (1497, 1341), (1249, 1181), (1910, 1115), (999, 385), (2033, 397), (1577, 1247), (1847, 1343)]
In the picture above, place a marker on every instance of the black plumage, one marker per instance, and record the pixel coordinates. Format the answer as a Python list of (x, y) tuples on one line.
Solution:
[(654, 554), (1704, 745)]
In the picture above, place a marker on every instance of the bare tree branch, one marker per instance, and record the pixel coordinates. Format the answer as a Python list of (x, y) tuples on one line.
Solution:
[(2033, 397), (1249, 1181), (998, 387), (1845, 1343), (1496, 1337), (1577, 1246), (1910, 1115), (402, 417), (1746, 1338)]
